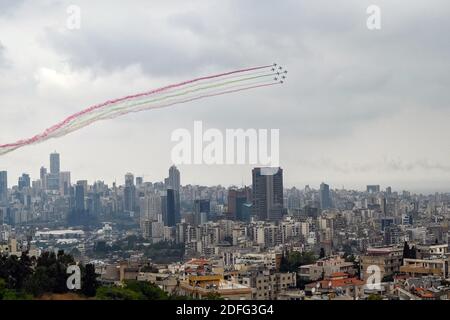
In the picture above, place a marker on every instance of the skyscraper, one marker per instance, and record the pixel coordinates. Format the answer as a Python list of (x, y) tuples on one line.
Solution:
[(325, 196), (202, 207), (150, 208), (236, 200), (24, 181), (78, 215), (79, 197), (129, 193), (173, 181), (53, 176), (388, 191), (373, 188), (169, 213), (54, 163), (3, 188), (64, 183), (267, 194), (129, 180), (43, 177)]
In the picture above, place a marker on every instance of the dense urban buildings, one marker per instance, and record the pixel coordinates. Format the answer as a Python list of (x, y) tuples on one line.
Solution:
[(262, 241)]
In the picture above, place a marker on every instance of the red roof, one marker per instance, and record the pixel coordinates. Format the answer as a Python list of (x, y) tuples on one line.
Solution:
[(339, 274), (199, 262), (335, 283)]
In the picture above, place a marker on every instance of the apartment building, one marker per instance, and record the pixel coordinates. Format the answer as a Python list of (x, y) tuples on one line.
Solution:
[(325, 268), (388, 259)]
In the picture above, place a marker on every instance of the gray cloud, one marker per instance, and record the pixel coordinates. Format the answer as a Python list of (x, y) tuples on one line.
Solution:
[(8, 6), (385, 165), (353, 95), (2, 55)]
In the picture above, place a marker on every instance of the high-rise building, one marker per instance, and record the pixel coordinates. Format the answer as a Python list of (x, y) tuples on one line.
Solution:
[(79, 197), (383, 205), (42, 173), (53, 176), (173, 181), (236, 200), (64, 183), (202, 210), (325, 196), (129, 179), (388, 191), (93, 204), (150, 208), (267, 194), (3, 188), (129, 193), (169, 209), (54, 163), (24, 181), (373, 188), (246, 211), (43, 177), (79, 215)]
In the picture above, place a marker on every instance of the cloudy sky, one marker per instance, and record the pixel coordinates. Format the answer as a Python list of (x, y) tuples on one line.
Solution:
[(360, 106)]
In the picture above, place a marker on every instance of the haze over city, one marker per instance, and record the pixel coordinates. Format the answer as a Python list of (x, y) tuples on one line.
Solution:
[(361, 107)]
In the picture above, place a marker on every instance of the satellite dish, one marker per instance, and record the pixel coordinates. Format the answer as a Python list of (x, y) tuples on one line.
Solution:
[(313, 290)]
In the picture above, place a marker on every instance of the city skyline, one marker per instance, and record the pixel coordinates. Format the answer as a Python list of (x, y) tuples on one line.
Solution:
[(173, 181), (367, 112)]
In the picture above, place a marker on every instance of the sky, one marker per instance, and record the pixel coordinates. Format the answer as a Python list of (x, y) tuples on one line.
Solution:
[(360, 106)]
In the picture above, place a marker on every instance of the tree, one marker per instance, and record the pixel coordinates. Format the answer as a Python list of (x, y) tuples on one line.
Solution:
[(147, 290), (39, 283), (350, 258), (347, 251), (89, 283), (8, 294), (295, 259), (413, 253), (117, 293), (213, 296), (132, 290), (50, 274), (284, 264), (406, 250), (322, 253), (388, 278), (15, 270)]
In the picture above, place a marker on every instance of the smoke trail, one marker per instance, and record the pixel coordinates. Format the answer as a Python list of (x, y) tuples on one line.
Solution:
[(107, 112), (182, 92)]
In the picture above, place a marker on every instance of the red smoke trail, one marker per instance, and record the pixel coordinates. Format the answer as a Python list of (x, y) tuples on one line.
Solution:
[(207, 96), (109, 102)]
